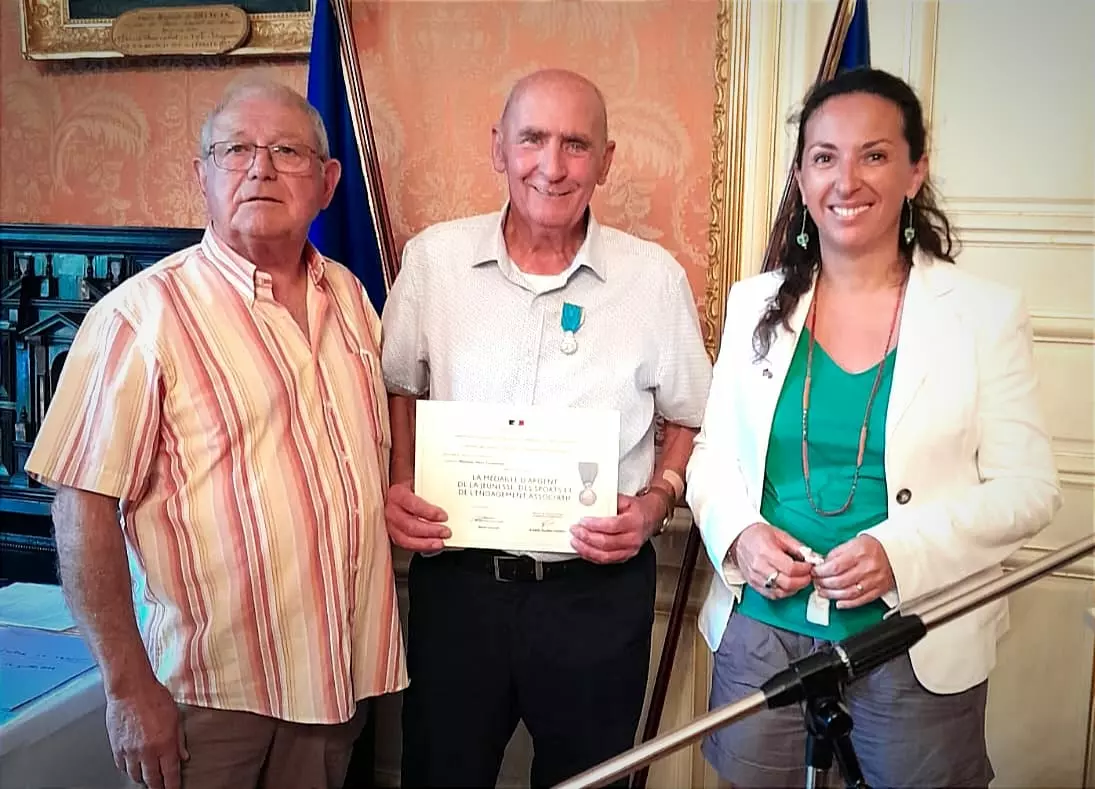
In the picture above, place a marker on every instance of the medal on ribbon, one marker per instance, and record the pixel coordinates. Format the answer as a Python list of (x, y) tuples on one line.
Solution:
[(571, 322), (588, 473)]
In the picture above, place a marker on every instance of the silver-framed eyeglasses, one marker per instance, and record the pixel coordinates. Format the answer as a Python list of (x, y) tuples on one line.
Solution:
[(289, 158)]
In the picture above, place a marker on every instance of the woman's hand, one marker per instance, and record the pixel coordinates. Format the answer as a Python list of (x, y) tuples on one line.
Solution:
[(855, 573), (771, 561)]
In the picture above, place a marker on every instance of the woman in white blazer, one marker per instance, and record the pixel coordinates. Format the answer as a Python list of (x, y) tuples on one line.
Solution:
[(872, 435)]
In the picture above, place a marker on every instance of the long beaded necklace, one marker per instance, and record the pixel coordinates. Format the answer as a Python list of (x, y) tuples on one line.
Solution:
[(866, 415)]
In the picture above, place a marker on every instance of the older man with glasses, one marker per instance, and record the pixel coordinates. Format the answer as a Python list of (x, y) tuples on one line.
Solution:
[(221, 423)]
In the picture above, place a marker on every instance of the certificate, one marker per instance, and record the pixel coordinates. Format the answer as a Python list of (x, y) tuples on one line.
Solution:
[(516, 478)]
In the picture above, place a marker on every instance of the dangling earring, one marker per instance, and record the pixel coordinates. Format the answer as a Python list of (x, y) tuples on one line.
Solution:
[(803, 238), (910, 231)]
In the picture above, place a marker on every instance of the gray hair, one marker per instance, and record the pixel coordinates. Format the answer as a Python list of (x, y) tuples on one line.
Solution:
[(252, 87)]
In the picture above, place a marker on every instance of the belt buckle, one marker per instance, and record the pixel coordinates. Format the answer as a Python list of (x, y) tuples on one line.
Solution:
[(537, 568)]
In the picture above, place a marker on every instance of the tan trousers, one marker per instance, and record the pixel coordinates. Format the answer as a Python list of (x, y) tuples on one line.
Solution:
[(241, 750)]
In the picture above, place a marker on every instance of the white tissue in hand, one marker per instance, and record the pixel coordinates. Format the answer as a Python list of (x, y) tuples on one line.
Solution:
[(811, 556), (817, 609)]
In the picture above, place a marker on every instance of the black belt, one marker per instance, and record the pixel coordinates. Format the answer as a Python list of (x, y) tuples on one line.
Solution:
[(507, 567)]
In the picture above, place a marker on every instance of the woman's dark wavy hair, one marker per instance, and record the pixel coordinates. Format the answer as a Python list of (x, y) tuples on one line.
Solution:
[(933, 230)]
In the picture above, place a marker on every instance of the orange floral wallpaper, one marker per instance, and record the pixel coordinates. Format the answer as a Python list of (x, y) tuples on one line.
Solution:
[(104, 142)]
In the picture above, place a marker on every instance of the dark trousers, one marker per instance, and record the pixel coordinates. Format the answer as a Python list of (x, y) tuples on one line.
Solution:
[(568, 655)]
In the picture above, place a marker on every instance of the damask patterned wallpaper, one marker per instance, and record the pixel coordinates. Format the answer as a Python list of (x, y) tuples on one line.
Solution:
[(102, 142)]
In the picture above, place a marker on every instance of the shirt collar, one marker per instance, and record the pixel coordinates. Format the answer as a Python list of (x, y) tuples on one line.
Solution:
[(245, 276), (491, 247)]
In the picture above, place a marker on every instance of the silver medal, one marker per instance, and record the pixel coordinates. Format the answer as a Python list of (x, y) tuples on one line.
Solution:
[(569, 344)]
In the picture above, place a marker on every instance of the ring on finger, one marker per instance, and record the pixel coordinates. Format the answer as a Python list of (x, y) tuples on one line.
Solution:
[(859, 587), (770, 581)]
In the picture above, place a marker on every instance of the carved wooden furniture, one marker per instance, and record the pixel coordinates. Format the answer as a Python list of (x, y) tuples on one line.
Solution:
[(50, 275)]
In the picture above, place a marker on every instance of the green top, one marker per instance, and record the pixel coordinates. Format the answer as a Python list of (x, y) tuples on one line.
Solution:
[(837, 402)]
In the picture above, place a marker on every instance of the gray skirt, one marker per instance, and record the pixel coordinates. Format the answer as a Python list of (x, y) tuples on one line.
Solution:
[(904, 735)]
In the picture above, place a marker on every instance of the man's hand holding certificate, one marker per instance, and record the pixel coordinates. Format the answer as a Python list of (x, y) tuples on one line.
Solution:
[(516, 478)]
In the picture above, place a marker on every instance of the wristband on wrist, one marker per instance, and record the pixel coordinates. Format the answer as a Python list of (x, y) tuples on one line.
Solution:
[(675, 482)]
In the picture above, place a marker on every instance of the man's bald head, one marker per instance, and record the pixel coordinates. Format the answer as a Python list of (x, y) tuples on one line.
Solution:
[(558, 79)]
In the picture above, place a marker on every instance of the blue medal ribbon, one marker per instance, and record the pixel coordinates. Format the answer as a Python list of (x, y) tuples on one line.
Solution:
[(572, 317), (572, 320)]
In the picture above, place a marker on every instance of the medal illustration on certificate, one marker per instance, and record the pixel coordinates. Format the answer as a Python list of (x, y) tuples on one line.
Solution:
[(516, 478), (588, 473), (571, 322)]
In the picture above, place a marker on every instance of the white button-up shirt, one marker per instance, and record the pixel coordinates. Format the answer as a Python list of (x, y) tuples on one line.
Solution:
[(463, 323)]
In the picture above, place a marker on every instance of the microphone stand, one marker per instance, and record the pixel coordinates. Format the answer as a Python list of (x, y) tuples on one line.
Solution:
[(828, 733), (818, 679)]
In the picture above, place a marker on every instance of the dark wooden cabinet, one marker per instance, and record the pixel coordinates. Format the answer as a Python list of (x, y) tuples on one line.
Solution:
[(50, 275)]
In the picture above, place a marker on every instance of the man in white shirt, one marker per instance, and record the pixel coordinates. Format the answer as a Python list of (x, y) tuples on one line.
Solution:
[(539, 304)]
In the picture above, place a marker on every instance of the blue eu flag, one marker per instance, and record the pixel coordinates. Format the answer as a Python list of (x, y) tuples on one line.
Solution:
[(856, 52), (345, 231)]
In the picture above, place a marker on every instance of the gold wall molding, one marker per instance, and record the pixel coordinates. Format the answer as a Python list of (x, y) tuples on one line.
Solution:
[(1075, 458), (1076, 455), (745, 156), (1023, 221), (727, 165), (1062, 327), (1010, 239), (1022, 206)]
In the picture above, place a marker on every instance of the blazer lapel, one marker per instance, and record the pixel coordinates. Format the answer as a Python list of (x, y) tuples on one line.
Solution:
[(770, 372), (917, 343)]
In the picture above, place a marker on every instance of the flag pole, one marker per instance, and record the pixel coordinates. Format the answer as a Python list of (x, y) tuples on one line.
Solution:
[(830, 60), (669, 648), (366, 142)]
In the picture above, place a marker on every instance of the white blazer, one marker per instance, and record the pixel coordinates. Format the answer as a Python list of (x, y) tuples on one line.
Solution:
[(966, 447)]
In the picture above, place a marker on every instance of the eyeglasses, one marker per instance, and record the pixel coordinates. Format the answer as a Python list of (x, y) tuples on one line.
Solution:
[(291, 159)]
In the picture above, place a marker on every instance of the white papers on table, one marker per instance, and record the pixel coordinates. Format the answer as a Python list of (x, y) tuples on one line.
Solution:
[(34, 662), (40, 606)]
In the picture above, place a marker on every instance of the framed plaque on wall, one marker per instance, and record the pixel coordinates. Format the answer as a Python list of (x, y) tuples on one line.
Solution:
[(71, 29)]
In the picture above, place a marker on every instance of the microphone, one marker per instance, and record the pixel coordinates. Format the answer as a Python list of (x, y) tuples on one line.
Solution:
[(841, 662), (849, 659)]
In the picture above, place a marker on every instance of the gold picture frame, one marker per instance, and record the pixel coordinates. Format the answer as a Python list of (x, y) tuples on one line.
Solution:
[(51, 32), (747, 221), (724, 251)]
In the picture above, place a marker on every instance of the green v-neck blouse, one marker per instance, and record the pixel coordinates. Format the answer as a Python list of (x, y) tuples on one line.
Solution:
[(837, 402)]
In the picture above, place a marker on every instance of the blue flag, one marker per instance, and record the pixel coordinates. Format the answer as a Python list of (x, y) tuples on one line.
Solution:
[(345, 230), (856, 52)]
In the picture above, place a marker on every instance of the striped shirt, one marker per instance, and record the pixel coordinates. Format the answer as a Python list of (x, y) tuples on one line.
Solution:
[(251, 463)]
